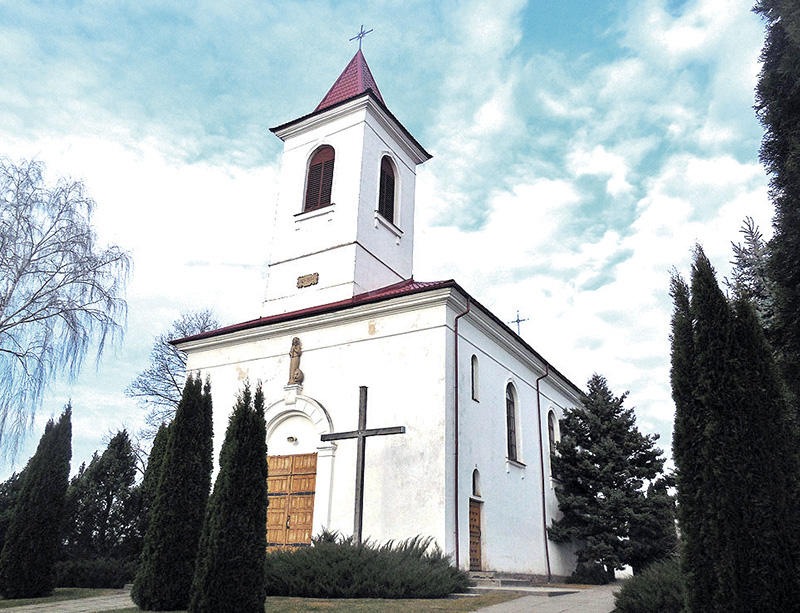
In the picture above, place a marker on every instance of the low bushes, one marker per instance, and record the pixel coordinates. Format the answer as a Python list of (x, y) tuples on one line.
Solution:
[(589, 573), (97, 572), (659, 589), (335, 567)]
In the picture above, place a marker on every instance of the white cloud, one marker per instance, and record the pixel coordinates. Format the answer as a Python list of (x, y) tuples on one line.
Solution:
[(600, 161)]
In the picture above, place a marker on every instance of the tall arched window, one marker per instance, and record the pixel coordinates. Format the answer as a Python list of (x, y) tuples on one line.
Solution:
[(476, 483), (386, 193), (511, 422), (551, 431), (320, 179), (474, 377)]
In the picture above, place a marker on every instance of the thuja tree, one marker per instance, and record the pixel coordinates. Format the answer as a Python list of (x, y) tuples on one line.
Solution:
[(602, 463), (230, 573), (33, 536), (102, 518), (777, 105), (735, 448), (147, 489), (176, 519), (9, 492)]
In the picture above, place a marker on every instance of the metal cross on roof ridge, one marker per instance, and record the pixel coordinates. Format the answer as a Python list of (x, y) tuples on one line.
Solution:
[(361, 35), (517, 321)]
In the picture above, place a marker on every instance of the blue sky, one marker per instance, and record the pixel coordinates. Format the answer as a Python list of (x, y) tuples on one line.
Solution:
[(580, 150)]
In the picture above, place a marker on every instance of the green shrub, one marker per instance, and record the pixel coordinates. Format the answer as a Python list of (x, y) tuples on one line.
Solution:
[(97, 573), (589, 573), (335, 567), (659, 589)]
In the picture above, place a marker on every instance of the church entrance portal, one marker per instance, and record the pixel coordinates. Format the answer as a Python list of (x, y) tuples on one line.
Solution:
[(290, 486), (474, 535)]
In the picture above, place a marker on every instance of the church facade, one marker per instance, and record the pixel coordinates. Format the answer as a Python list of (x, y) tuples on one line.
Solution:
[(461, 413)]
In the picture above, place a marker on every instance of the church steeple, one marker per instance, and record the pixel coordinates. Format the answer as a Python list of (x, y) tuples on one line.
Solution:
[(345, 219), (355, 79)]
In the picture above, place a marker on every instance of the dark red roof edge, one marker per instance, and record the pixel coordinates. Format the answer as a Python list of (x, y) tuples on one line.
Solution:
[(366, 92), (403, 288)]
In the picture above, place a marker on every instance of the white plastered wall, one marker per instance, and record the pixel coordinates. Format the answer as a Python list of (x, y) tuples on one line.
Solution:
[(511, 502), (397, 351)]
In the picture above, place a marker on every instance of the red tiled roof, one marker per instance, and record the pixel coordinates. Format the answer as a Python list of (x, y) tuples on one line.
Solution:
[(355, 79), (408, 286)]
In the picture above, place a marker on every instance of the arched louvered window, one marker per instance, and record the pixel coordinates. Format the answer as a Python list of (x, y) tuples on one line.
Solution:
[(511, 422), (386, 193), (320, 179)]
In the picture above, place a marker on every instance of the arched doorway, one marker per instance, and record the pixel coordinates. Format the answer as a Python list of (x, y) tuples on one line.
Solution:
[(300, 471)]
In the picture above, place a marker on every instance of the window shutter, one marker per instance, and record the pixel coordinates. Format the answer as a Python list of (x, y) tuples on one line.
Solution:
[(312, 190), (319, 181), (327, 183), (386, 191)]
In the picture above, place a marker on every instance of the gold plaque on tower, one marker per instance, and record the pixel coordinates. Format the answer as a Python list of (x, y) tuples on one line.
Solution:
[(307, 280)]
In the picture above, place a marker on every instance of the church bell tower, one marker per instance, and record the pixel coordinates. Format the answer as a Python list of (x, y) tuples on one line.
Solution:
[(345, 219)]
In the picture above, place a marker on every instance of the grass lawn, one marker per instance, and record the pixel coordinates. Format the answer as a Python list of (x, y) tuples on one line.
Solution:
[(61, 593), (292, 605)]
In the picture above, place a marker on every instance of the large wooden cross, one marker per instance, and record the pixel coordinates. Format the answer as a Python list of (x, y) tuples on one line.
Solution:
[(361, 435)]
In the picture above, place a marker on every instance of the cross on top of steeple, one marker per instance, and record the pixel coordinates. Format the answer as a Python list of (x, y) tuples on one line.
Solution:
[(360, 36)]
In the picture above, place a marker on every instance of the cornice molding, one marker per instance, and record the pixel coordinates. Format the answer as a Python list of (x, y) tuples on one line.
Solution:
[(401, 304), (505, 338), (365, 102)]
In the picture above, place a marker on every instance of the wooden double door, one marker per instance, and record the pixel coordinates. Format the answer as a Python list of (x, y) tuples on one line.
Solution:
[(290, 487)]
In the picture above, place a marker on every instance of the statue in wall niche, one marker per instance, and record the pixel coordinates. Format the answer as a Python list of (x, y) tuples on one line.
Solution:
[(295, 374)]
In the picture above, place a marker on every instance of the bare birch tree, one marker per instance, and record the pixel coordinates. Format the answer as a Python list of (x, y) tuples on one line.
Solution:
[(158, 388), (60, 292)]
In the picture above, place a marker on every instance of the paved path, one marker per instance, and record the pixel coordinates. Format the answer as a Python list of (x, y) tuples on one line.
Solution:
[(120, 600), (598, 599)]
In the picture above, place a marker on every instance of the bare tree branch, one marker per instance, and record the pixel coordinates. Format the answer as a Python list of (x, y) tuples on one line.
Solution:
[(59, 290), (158, 388)]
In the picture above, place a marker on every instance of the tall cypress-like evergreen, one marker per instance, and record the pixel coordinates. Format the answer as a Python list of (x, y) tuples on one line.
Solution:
[(229, 574), (778, 108), (689, 448), (33, 537), (164, 578), (148, 488), (736, 453)]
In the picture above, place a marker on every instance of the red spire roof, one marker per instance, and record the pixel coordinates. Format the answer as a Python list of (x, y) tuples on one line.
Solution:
[(355, 79)]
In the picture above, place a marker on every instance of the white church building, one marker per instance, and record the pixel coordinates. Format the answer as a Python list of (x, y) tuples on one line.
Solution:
[(461, 411)]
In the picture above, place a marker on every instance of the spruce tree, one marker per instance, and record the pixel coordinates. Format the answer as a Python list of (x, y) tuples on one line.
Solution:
[(778, 108), (230, 573), (653, 534), (165, 574), (33, 537), (736, 453), (602, 463)]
